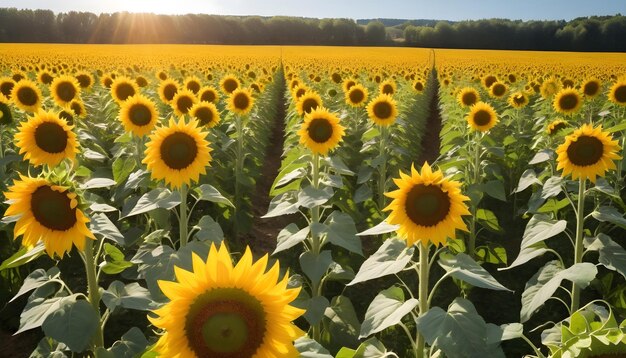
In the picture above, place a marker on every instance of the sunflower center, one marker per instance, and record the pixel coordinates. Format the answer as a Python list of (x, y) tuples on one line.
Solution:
[(620, 94), (498, 89), (179, 150), (418, 86), (482, 118), (27, 96), (225, 322), (67, 117), (469, 98), (427, 205), (6, 88), (568, 102), (204, 115), (208, 96), (83, 80), (169, 91), (124, 90), (518, 99), (193, 86), (356, 96), (320, 130), (66, 91), (184, 103), (51, 137), (140, 115), (591, 88), (241, 101), (382, 110), (387, 89), (309, 104), (52, 209), (78, 110), (557, 127), (587, 150), (230, 85)]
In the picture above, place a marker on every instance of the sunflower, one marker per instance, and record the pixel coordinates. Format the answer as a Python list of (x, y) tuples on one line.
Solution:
[(64, 89), (85, 79), (591, 87), (206, 113), (518, 99), (26, 96), (617, 93), (123, 88), (356, 96), (427, 206), (138, 115), (498, 90), (183, 101), (240, 101), (178, 153), (482, 117), (335, 77), (141, 81), (45, 77), (5, 113), (299, 91), (308, 102), (78, 108), (567, 101), (555, 126), (48, 213), (347, 84), (193, 84), (489, 80), (387, 87), (208, 94), (106, 81), (46, 139), (418, 86), (549, 88), (6, 86), (220, 310), (468, 97), (67, 115), (382, 110), (167, 90), (321, 131), (229, 83), (587, 153)]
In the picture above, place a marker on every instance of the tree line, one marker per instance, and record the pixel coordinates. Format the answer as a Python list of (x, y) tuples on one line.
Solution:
[(606, 33)]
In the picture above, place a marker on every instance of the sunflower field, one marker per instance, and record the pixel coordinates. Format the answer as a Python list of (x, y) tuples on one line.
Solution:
[(264, 201)]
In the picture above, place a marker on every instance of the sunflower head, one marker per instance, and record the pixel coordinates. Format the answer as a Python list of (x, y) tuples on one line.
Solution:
[(6, 117), (229, 83), (321, 131), (498, 90), (167, 90), (48, 213), (240, 101), (427, 206), (219, 310), (347, 84), (555, 126), (356, 96), (45, 77), (205, 113), (591, 87), (489, 80), (64, 89), (183, 101), (208, 94), (141, 81), (26, 96), (85, 79), (78, 108), (482, 117), (6, 86), (567, 101), (299, 91), (617, 93), (382, 110), (335, 77), (549, 88), (418, 86), (177, 153), (587, 152), (518, 99), (193, 84), (307, 102), (123, 88), (387, 87), (468, 97), (139, 115), (46, 139)]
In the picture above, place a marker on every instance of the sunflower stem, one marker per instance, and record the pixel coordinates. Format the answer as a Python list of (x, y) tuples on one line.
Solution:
[(471, 247), (238, 171), (578, 248), (382, 169), (315, 211), (182, 224), (423, 293), (94, 292)]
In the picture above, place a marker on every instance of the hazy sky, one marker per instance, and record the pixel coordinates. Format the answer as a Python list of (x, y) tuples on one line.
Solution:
[(356, 9)]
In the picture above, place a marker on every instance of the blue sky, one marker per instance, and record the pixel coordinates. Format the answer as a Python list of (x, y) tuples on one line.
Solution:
[(356, 9)]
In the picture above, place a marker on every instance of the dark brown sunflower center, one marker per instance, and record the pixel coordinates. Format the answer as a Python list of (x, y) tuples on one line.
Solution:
[(225, 323), (490, 80), (382, 110), (591, 88), (587, 150), (179, 150), (108, 82), (51, 137), (309, 104), (77, 108), (557, 127), (46, 78), (320, 130), (427, 205), (519, 99), (350, 84), (83, 80), (568, 102), (498, 89), (336, 77), (141, 81), (67, 116), (193, 86), (387, 89), (230, 85), (241, 101), (184, 103), (6, 88), (356, 96), (5, 114), (204, 115), (66, 91), (169, 91), (52, 209), (620, 94), (124, 90), (469, 98), (482, 117), (418, 86), (140, 114), (27, 96), (208, 96)]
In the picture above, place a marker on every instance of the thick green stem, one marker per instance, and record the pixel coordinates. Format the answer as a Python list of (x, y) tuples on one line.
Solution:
[(238, 171), (315, 240), (579, 248), (382, 169), (94, 291), (471, 246), (182, 225), (423, 293)]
